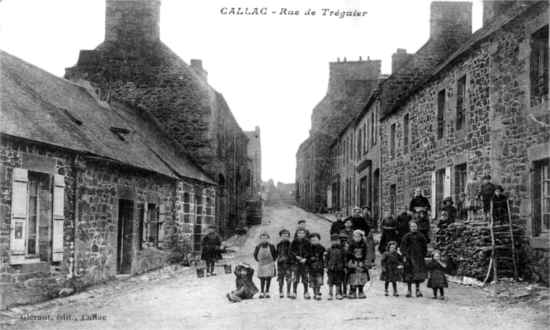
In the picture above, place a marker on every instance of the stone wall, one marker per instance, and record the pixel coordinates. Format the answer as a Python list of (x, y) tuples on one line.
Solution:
[(501, 135), (98, 186)]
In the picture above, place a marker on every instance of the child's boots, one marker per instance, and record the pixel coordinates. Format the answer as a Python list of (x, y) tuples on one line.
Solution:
[(338, 293)]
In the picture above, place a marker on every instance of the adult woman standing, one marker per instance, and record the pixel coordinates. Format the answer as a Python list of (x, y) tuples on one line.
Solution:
[(388, 227), (414, 249)]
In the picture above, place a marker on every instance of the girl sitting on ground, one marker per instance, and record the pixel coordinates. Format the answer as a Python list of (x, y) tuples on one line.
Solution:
[(246, 289)]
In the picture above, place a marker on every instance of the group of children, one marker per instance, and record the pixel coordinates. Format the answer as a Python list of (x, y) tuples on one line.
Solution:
[(304, 260)]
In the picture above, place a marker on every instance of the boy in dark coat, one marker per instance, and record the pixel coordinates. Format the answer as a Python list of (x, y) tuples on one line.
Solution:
[(284, 263), (302, 225), (246, 288), (335, 262), (500, 206), (487, 191), (211, 250), (337, 225), (316, 265), (300, 251), (348, 228), (403, 220)]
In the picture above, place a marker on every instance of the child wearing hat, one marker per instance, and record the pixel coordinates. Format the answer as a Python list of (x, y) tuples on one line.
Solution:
[(211, 250), (265, 254), (500, 206), (300, 251), (316, 265), (284, 264), (449, 208), (302, 225), (246, 289), (335, 263)]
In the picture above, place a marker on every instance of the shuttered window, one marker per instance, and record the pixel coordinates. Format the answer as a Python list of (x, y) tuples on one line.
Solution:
[(152, 227), (37, 217)]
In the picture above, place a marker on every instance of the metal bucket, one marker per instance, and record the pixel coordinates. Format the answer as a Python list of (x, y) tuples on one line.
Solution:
[(200, 272), (227, 269)]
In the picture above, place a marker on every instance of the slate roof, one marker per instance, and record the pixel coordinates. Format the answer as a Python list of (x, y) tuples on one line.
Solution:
[(39, 106)]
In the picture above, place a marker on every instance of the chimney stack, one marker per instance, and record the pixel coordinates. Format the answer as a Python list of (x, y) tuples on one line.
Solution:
[(450, 20), (197, 66), (493, 8), (399, 58), (132, 21)]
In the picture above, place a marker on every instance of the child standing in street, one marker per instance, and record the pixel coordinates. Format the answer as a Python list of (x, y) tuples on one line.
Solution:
[(284, 264), (211, 250), (357, 265), (246, 289), (265, 254), (300, 250), (335, 262), (390, 272), (437, 279), (344, 242), (316, 265)]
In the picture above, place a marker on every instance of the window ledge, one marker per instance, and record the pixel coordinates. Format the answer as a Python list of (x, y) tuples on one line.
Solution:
[(541, 242)]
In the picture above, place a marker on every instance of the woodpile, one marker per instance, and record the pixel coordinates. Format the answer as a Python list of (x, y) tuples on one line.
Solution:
[(469, 245)]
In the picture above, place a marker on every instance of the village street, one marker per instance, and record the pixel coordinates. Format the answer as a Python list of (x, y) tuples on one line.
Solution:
[(188, 302)]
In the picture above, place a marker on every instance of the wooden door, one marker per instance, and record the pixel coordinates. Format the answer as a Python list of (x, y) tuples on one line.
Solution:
[(125, 235)]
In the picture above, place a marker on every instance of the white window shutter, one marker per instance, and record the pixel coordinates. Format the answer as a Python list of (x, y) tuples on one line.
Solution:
[(58, 217), (19, 216), (162, 217), (434, 195), (145, 225), (447, 184)]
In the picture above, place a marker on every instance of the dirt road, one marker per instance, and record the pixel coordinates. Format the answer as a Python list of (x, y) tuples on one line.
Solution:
[(187, 302)]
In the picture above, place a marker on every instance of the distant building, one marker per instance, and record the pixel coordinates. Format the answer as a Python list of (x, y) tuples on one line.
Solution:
[(133, 65), (350, 83), (254, 175)]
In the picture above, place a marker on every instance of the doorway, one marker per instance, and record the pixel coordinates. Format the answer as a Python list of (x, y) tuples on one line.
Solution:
[(125, 235)]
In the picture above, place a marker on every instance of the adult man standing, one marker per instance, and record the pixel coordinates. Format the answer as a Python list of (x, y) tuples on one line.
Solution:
[(418, 203), (337, 225)]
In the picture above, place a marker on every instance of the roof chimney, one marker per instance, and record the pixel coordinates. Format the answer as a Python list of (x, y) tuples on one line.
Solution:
[(493, 8), (399, 58), (450, 20), (197, 66), (132, 21)]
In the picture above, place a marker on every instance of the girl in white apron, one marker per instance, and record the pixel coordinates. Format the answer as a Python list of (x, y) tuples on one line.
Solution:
[(265, 254)]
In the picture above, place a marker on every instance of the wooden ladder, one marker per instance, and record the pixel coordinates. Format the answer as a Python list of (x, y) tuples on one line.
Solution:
[(496, 254)]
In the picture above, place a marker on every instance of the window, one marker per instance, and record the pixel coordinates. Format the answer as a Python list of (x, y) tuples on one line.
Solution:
[(440, 114), (460, 103), (460, 178), (392, 142), (37, 232), (359, 144), (152, 227), (439, 188), (372, 128), (541, 200), (406, 134), (393, 197), (375, 127), (365, 137), (539, 66)]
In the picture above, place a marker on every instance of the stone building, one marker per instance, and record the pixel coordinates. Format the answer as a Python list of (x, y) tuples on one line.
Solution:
[(254, 175), (135, 66), (483, 109), (90, 189), (349, 85)]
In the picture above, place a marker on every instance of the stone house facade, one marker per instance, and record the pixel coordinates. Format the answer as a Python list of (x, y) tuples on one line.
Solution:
[(135, 66), (483, 109), (90, 189)]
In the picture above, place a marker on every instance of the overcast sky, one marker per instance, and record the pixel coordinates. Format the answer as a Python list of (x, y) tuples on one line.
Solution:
[(272, 69)]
